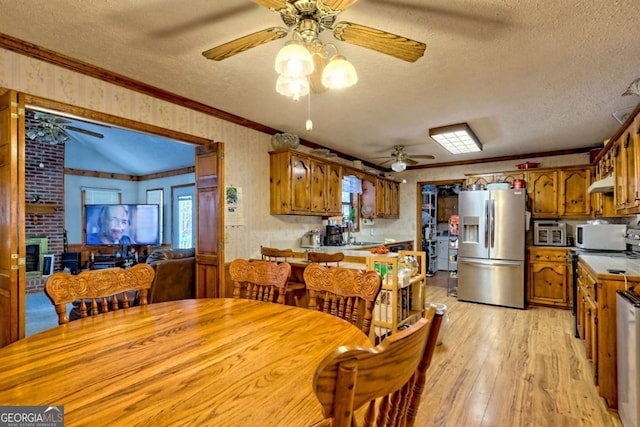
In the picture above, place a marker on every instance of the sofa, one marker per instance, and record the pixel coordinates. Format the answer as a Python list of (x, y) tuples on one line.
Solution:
[(174, 279), (175, 274)]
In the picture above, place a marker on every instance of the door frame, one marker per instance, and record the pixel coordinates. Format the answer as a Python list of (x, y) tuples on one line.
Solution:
[(32, 101)]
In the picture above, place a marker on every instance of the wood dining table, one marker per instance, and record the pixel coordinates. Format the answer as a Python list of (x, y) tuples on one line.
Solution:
[(215, 362)]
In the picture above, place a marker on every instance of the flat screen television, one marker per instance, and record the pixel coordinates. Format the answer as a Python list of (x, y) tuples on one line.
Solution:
[(122, 224)]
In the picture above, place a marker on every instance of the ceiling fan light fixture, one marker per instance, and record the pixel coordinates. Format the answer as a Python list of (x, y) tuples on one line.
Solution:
[(456, 139), (294, 60), (292, 87), (339, 73), (398, 166)]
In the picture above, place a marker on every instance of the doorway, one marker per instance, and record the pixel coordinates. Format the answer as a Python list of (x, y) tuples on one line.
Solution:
[(437, 219), (30, 321)]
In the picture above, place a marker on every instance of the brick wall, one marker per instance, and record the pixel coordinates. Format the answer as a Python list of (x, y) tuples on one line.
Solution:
[(47, 183)]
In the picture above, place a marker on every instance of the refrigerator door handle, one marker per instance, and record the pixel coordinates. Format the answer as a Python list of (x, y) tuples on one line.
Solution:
[(490, 262), (486, 224), (492, 204)]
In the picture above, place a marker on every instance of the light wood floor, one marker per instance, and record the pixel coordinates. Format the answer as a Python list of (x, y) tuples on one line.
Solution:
[(508, 367)]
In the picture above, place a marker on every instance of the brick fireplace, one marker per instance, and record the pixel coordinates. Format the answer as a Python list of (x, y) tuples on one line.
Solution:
[(44, 185)]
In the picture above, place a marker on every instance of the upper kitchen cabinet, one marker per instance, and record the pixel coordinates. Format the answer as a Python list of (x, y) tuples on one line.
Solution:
[(574, 199), (560, 193), (480, 179), (326, 188), (626, 161), (542, 187), (392, 199), (303, 185), (387, 198), (553, 192), (488, 178), (602, 204)]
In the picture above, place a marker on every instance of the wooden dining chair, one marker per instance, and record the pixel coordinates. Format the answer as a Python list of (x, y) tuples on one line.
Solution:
[(260, 280), (325, 258), (343, 292), (389, 378), (295, 288), (99, 291)]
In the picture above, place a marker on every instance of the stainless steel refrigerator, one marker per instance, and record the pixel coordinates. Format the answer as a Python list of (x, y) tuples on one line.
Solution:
[(491, 247)]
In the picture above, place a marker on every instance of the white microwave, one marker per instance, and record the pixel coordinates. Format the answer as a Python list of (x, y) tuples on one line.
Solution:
[(609, 237)]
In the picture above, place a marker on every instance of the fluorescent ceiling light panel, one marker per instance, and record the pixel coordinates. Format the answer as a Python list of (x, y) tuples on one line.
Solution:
[(456, 139)]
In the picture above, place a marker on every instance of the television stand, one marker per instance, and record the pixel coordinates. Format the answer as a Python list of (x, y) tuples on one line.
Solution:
[(109, 261)]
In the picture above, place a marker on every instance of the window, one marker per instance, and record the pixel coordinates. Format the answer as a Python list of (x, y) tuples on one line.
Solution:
[(351, 190), (156, 197), (183, 217)]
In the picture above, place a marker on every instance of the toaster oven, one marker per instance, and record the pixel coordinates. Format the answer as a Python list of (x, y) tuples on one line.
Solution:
[(549, 233)]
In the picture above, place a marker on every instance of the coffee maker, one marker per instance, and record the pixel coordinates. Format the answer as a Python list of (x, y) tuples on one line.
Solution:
[(333, 236)]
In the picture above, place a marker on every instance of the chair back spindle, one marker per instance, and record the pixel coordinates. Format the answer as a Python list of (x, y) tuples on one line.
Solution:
[(260, 280)]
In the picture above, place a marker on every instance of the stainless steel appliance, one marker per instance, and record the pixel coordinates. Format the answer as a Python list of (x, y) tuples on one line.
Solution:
[(549, 233), (628, 338), (491, 247), (310, 239), (601, 236), (333, 236)]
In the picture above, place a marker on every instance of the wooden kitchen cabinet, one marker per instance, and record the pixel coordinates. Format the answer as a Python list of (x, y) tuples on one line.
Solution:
[(626, 161), (480, 179), (596, 316), (549, 277), (303, 185), (587, 316), (392, 199), (602, 204), (553, 192), (574, 198), (326, 188), (387, 198), (488, 178), (542, 187)]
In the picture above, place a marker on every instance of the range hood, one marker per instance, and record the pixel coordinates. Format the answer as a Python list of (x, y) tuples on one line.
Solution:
[(604, 185)]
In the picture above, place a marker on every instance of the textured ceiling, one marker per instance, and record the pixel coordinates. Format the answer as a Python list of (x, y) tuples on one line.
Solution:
[(528, 76)]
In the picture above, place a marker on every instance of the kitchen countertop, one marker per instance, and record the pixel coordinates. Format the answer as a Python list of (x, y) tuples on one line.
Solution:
[(600, 263)]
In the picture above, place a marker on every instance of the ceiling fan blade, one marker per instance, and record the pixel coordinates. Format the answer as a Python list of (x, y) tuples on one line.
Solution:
[(233, 47), (423, 156), (387, 162), (338, 4), (319, 61), (381, 41), (410, 162), (85, 131), (272, 4)]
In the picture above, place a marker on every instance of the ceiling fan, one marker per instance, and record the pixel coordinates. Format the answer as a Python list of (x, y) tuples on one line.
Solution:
[(399, 159), (51, 129), (307, 19)]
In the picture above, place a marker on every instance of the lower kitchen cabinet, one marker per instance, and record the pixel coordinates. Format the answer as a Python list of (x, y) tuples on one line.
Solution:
[(596, 318), (549, 276)]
